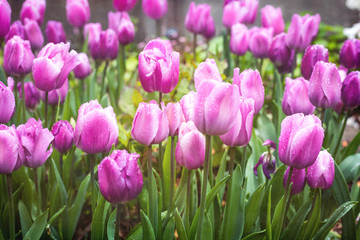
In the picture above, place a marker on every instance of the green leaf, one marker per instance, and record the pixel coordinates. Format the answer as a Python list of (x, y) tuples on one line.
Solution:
[(221, 172), (98, 219), (352, 147), (252, 209), (38, 227), (180, 226), (63, 193), (148, 229), (350, 167), (276, 221), (167, 172), (214, 191), (169, 230), (207, 231), (25, 218), (56, 215), (268, 216), (256, 236), (136, 233), (110, 229)]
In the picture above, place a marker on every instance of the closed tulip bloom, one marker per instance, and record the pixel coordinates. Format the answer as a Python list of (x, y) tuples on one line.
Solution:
[(233, 13), (32, 95), (82, 70), (63, 136), (296, 97), (7, 101), (300, 140), (158, 68), (150, 125), (77, 12), (5, 17), (124, 5), (175, 117), (239, 40), (11, 153), (251, 6), (18, 57), (350, 54), (206, 71), (55, 32), (250, 86), (197, 17), (339, 108), (302, 31), (92, 32), (259, 41), (120, 178), (271, 17), (240, 133), (312, 55), (105, 47), (155, 9), (190, 148), (16, 29), (350, 90), (298, 180), (34, 34), (53, 65), (121, 23), (280, 55), (96, 128), (210, 29), (35, 141), (325, 85), (56, 96), (34, 10), (321, 174), (267, 160)]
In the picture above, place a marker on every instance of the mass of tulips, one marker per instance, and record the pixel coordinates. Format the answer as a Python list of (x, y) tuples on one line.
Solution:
[(238, 136)]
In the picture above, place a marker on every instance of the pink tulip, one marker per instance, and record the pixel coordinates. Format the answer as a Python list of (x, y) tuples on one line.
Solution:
[(280, 55), (11, 153), (32, 94), (175, 117), (77, 12), (197, 17), (206, 71), (321, 174), (16, 29), (155, 9), (55, 32), (82, 70), (121, 23), (33, 10), (312, 55), (105, 47), (124, 5), (350, 91), (5, 17), (7, 101), (56, 96), (259, 41), (239, 40), (298, 180), (34, 34), (63, 136), (350, 54), (271, 17)]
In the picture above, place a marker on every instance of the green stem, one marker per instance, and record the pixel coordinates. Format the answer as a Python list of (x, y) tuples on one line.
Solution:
[(172, 170), (341, 133), (161, 167), (211, 177), (23, 99), (188, 202), (46, 108), (152, 213), (243, 160), (61, 164), (228, 192), (37, 191), (103, 80), (117, 223), (260, 66), (204, 187), (92, 183), (322, 116), (158, 27), (121, 69), (195, 44), (11, 207)]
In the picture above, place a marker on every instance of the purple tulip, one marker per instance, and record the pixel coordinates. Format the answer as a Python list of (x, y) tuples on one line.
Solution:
[(175, 117), (267, 160), (120, 178), (302, 31), (190, 148), (233, 13), (53, 65), (11, 153), (339, 108), (158, 68), (240, 133), (239, 40), (16, 29), (325, 85), (63, 136), (312, 55), (34, 34), (298, 180), (105, 47), (150, 125), (5, 17), (56, 96), (196, 18), (350, 90), (92, 32), (124, 5), (155, 9), (96, 128), (210, 29), (18, 57), (271, 17), (280, 55), (296, 97), (321, 174), (251, 6), (259, 41), (82, 70), (55, 32), (34, 10), (35, 141), (7, 101), (32, 94), (121, 23), (206, 71), (300, 140), (77, 12), (250, 86), (350, 54)]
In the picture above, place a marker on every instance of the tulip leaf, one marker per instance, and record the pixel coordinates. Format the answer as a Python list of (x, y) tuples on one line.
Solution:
[(21, 177), (63, 193), (169, 230), (207, 231), (350, 167), (98, 219), (314, 220), (148, 231), (276, 221), (66, 111), (256, 236), (167, 172), (110, 229), (268, 216), (38, 227), (221, 172), (25, 218), (56, 215), (252, 209), (180, 227), (352, 147), (136, 233)]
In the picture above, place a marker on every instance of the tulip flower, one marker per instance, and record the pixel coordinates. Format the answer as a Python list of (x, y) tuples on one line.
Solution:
[(312, 55), (63, 136), (32, 94), (280, 55), (175, 117), (239, 40), (250, 86), (92, 32), (105, 47), (53, 65), (267, 160), (233, 13), (56, 96), (321, 174), (96, 128), (158, 68), (302, 31), (300, 140), (35, 141), (16, 29), (34, 34), (121, 23), (210, 29), (196, 18), (206, 71), (5, 17), (251, 7), (325, 85), (190, 148), (55, 32), (155, 9), (77, 12), (350, 91), (350, 54), (339, 108), (12, 153), (33, 10), (82, 70), (298, 180), (7, 101), (124, 5), (271, 17), (259, 41), (296, 97)]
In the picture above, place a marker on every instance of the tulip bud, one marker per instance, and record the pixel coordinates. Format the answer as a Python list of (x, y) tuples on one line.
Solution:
[(63, 136), (298, 180), (350, 54), (120, 178), (350, 91), (339, 108), (312, 55), (158, 68), (206, 71), (105, 47), (150, 125), (32, 95), (82, 70), (210, 30), (33, 10), (77, 12), (18, 57), (121, 23), (16, 29), (251, 7), (296, 97), (267, 159), (5, 17), (197, 17), (96, 128), (155, 9), (250, 86), (300, 140), (124, 5), (92, 32), (34, 34), (325, 85), (259, 41), (321, 173), (239, 40), (7, 101), (55, 32), (11, 153), (233, 13), (56, 96), (35, 141), (271, 17), (175, 117), (280, 55)]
